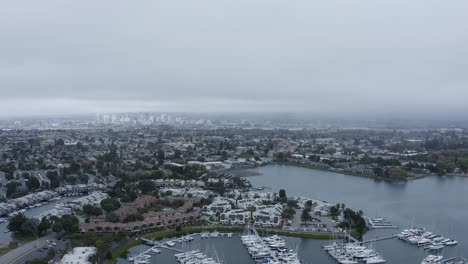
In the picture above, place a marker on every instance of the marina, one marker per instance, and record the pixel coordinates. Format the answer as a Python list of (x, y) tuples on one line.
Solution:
[(192, 257), (269, 249), (195, 257), (428, 240), (402, 203), (353, 253)]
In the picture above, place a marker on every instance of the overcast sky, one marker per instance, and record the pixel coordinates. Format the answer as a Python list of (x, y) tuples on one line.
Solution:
[(349, 56)]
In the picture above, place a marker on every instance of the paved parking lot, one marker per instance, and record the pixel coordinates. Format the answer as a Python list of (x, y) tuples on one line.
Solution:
[(43, 251), (321, 224)]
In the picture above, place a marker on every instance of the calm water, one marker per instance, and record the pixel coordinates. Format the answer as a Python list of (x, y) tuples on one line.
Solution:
[(439, 204)]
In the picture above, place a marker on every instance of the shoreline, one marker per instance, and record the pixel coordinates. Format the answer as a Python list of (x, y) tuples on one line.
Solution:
[(352, 174)]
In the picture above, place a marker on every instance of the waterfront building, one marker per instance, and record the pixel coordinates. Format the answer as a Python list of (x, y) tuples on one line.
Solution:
[(235, 217)]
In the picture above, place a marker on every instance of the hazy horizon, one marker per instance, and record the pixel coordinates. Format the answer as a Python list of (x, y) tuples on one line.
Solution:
[(392, 59)]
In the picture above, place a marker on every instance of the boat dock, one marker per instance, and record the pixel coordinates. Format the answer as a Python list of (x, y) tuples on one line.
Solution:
[(447, 260), (268, 249), (158, 245), (378, 239), (380, 223), (354, 240)]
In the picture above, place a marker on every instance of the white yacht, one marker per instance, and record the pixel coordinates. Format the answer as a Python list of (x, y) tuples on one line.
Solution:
[(155, 251), (375, 260), (435, 246), (451, 243), (170, 243), (432, 259)]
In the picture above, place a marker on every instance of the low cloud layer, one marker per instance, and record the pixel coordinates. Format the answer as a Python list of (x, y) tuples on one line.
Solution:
[(383, 57)]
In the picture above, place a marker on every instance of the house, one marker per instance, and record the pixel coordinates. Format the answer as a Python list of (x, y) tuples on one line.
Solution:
[(235, 217)]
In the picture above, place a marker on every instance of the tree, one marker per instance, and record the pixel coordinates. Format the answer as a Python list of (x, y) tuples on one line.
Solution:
[(306, 215), (110, 204), (11, 188), (16, 222), (146, 186), (330, 150), (29, 227), (282, 195), (83, 178), (252, 209), (334, 210), (177, 154), (288, 213), (292, 203), (133, 218), (92, 210), (354, 220), (70, 223), (71, 179), (54, 218), (53, 177), (57, 227), (44, 225), (378, 171), (33, 183), (59, 142), (112, 217), (100, 165), (100, 244), (397, 173), (161, 156)]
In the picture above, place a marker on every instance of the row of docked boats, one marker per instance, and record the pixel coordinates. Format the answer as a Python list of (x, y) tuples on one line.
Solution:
[(180, 240), (214, 234), (432, 259), (269, 250), (351, 253), (380, 223), (435, 259), (194, 257), (422, 238)]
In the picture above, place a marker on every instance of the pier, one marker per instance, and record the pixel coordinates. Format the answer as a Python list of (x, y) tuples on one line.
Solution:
[(157, 245), (354, 240), (378, 239), (447, 260)]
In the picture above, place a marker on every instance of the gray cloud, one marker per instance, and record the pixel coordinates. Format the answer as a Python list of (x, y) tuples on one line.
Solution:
[(266, 55)]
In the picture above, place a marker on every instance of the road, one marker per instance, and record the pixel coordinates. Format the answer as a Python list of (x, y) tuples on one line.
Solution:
[(16, 254)]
